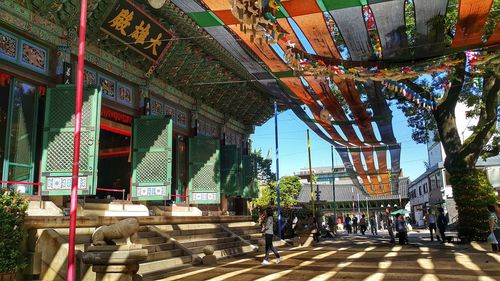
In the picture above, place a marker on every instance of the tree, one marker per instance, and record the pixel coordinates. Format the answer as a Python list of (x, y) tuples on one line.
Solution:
[(263, 167), (471, 188), (290, 187)]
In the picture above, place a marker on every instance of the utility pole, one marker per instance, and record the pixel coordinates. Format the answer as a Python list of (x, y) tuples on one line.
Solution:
[(277, 167), (310, 173), (333, 188)]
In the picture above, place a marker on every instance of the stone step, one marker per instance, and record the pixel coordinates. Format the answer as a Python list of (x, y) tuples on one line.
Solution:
[(150, 240), (221, 246), (115, 206), (193, 226), (241, 224), (246, 230), (161, 255), (159, 266), (107, 213), (214, 241), (198, 237), (187, 232), (147, 234), (235, 251), (159, 247)]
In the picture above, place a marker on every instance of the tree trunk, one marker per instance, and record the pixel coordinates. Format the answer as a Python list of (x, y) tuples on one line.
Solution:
[(472, 193)]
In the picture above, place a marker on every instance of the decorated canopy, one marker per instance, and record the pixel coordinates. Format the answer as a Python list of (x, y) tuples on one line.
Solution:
[(337, 56)]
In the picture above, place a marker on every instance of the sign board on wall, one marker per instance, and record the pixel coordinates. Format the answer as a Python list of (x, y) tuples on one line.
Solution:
[(131, 25)]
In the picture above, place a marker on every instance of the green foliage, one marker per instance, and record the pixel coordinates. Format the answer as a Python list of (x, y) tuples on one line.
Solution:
[(12, 211), (410, 23), (473, 193), (290, 187), (451, 20), (491, 23), (263, 167)]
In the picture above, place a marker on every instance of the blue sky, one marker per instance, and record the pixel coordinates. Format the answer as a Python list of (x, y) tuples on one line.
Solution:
[(293, 145)]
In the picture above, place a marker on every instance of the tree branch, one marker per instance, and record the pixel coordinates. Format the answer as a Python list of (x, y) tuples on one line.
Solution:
[(446, 121), (471, 149)]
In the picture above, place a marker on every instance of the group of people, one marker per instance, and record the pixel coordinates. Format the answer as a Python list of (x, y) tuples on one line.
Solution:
[(353, 225), (440, 223), (399, 224)]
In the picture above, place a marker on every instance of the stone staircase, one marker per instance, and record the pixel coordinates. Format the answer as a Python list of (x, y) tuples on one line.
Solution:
[(164, 254), (195, 237)]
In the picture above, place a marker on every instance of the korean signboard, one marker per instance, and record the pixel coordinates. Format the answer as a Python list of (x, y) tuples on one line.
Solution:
[(131, 25)]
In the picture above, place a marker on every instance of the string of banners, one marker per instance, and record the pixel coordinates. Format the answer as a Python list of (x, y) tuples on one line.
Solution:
[(316, 68)]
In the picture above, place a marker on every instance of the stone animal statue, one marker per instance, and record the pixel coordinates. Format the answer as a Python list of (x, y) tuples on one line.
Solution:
[(124, 229)]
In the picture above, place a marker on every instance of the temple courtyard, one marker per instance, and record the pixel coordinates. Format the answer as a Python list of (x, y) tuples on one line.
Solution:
[(357, 257)]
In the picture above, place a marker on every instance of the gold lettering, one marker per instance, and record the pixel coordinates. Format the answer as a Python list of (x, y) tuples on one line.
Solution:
[(122, 21), (140, 33), (154, 43)]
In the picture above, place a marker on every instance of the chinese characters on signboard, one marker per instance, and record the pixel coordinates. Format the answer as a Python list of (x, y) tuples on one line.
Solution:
[(131, 25)]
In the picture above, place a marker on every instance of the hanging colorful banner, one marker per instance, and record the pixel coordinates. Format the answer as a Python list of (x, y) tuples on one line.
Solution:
[(131, 25)]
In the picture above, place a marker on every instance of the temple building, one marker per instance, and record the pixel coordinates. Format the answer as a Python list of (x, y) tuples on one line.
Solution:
[(151, 132)]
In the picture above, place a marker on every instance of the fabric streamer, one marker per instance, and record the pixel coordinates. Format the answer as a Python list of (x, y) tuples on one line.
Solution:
[(351, 24), (472, 18), (429, 21), (351, 96), (334, 108), (390, 20)]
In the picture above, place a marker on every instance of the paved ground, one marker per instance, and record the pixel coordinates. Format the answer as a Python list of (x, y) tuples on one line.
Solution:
[(368, 258)]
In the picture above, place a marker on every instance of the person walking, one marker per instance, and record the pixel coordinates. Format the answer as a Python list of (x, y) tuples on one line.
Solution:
[(494, 226), (442, 223), (347, 224), (373, 225), (268, 230), (362, 224), (431, 220), (355, 224), (402, 230), (390, 225)]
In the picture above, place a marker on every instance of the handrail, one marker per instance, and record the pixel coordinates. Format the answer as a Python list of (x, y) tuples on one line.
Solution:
[(21, 182), (109, 189), (115, 190)]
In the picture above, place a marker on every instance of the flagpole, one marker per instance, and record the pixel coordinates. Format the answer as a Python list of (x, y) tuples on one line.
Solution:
[(333, 189), (310, 173), (70, 274), (277, 167)]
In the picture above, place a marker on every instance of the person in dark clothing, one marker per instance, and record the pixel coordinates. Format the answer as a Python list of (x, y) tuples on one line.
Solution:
[(362, 224), (373, 225), (355, 224), (431, 220), (402, 230), (315, 230), (268, 229), (347, 224), (442, 223)]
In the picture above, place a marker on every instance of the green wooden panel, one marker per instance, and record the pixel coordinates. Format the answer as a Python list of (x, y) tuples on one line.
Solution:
[(57, 156), (21, 134), (204, 170), (250, 183), (152, 158), (231, 170)]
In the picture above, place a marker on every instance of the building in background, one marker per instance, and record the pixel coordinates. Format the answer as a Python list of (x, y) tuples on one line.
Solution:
[(433, 189)]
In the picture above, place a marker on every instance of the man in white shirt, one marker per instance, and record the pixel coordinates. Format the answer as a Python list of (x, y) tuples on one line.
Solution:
[(431, 220)]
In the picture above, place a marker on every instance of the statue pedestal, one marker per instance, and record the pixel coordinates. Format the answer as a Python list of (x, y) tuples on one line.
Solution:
[(115, 263)]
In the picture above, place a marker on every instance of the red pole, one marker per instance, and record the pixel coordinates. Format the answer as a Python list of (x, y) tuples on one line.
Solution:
[(76, 134)]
